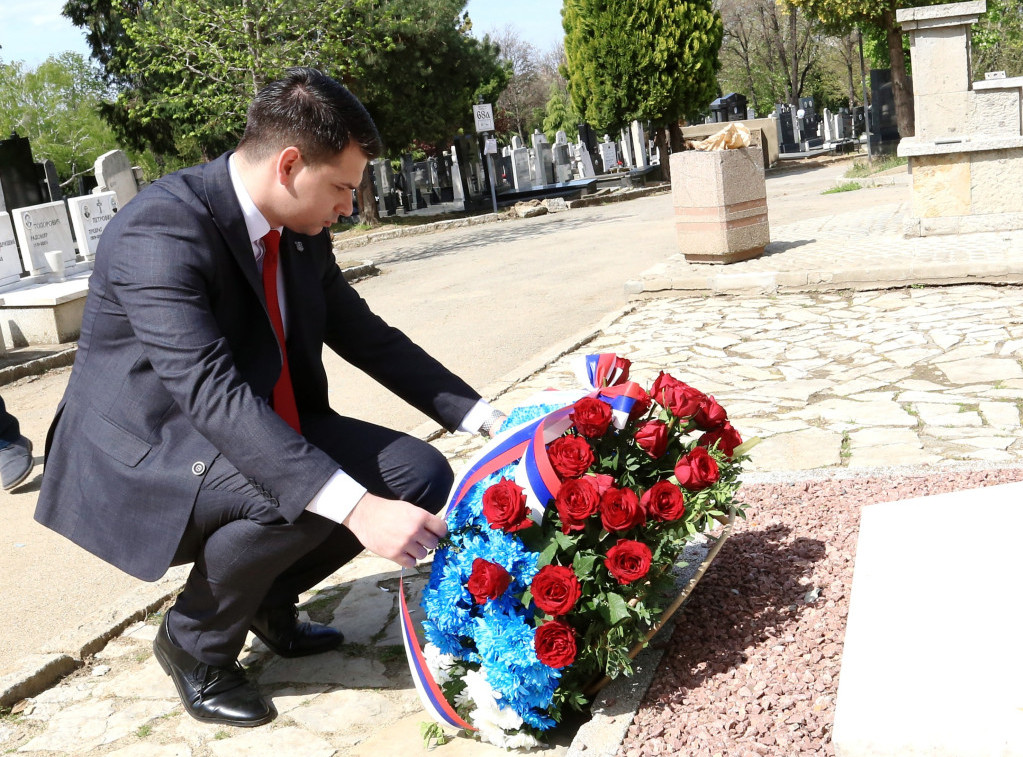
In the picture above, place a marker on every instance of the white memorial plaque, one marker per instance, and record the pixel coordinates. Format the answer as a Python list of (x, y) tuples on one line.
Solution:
[(90, 214), (10, 263), (608, 156)]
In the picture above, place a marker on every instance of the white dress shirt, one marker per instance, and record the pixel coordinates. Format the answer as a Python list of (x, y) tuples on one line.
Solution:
[(339, 496)]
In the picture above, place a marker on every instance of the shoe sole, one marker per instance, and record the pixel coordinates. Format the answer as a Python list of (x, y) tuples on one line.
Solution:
[(218, 721), (31, 466)]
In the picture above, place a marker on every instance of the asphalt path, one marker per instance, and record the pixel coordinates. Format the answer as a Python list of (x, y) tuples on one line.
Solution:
[(485, 300)]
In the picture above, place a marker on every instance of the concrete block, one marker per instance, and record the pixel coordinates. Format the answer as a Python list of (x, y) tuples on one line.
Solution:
[(931, 662), (941, 185), (46, 313), (996, 178), (942, 115), (945, 53), (994, 112)]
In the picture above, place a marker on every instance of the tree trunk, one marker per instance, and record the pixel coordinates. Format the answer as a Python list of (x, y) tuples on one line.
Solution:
[(900, 83), (661, 141), (675, 135), (368, 212), (797, 88)]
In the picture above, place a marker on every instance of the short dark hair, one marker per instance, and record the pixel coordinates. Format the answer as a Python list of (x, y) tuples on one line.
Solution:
[(312, 111)]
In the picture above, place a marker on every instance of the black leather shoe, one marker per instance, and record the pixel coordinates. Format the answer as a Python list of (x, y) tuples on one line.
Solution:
[(209, 693), (281, 631)]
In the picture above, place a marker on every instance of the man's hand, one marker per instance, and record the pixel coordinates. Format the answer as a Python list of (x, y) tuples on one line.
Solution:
[(394, 529)]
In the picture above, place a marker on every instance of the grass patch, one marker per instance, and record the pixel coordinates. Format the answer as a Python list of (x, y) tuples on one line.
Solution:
[(144, 730), (862, 168), (845, 452), (849, 186)]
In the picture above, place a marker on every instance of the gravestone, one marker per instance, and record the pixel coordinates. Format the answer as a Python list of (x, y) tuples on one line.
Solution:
[(562, 162), (520, 169), (583, 161), (639, 145), (543, 162), (114, 174), (18, 182), (561, 138), (628, 161), (41, 229), (517, 142), (89, 216), (10, 263), (884, 126), (829, 126), (52, 181), (608, 155)]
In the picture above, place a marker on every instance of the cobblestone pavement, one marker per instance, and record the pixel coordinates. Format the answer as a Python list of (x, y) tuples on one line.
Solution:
[(829, 380)]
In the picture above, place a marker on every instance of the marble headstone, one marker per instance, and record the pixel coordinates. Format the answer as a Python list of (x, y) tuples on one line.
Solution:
[(41, 229), (90, 214), (10, 263), (114, 174)]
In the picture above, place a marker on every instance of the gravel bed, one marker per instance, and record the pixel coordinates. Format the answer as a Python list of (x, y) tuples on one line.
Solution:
[(752, 667)]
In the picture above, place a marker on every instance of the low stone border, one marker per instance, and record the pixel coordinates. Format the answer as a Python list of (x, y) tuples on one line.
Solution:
[(411, 231), (38, 366), (619, 196)]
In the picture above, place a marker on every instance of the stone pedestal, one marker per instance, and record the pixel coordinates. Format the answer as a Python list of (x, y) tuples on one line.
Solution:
[(967, 155), (720, 200)]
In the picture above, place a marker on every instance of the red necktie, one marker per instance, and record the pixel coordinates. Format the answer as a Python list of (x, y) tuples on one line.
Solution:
[(283, 399)]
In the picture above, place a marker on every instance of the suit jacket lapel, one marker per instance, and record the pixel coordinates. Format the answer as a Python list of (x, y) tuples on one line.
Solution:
[(227, 215)]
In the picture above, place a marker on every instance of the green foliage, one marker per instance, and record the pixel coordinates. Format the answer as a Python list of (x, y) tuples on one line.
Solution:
[(421, 85), (56, 106), (559, 115), (849, 186), (861, 168), (433, 735), (998, 39), (651, 60)]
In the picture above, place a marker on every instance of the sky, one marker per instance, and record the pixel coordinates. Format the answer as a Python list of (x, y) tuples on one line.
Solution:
[(32, 30)]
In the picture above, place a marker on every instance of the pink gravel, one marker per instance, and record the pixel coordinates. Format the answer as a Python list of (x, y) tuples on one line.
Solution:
[(752, 666)]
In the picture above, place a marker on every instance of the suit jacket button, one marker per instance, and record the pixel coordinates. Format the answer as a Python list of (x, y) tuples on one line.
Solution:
[(198, 467)]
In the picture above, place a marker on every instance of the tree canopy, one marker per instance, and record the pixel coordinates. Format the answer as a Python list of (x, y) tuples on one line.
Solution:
[(651, 60), (55, 105)]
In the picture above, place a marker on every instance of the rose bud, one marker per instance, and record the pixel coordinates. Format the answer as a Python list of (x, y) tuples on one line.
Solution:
[(652, 437), (697, 470), (555, 589), (554, 643), (576, 501), (570, 456), (487, 581), (620, 510), (710, 415), (664, 501), (726, 437), (591, 417), (628, 560), (504, 506)]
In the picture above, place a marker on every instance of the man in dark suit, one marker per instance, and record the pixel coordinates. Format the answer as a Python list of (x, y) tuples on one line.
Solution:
[(187, 434)]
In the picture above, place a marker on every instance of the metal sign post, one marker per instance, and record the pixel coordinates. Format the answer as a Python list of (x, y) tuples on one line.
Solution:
[(483, 114)]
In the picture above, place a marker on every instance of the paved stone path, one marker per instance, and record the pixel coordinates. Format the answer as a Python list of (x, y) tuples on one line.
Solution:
[(828, 380)]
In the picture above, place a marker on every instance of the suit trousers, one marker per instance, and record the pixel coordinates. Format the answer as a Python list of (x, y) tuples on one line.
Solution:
[(247, 557)]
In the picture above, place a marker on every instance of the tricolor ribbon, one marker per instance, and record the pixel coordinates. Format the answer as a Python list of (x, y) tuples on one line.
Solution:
[(526, 443)]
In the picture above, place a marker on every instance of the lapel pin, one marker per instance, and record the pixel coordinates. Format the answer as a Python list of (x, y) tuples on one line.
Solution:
[(299, 247)]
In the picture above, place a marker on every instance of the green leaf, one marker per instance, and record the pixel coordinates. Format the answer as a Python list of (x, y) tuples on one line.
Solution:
[(618, 608)]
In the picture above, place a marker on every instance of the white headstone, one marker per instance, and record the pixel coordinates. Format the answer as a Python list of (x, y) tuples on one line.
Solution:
[(562, 162), (639, 145), (609, 156), (829, 126), (520, 169), (542, 162), (40, 229), (585, 163), (626, 146), (90, 214), (114, 174), (561, 138), (517, 142), (10, 263)]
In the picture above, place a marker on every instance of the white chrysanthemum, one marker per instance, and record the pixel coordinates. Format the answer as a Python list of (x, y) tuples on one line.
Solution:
[(439, 664), (490, 718)]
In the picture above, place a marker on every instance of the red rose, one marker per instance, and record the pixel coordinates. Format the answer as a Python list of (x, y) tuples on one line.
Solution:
[(602, 481), (642, 404), (726, 437), (710, 414), (577, 500), (664, 501), (628, 560), (554, 643), (591, 417), (504, 506), (697, 470), (682, 399), (570, 456), (488, 580), (620, 510), (652, 436), (555, 589)]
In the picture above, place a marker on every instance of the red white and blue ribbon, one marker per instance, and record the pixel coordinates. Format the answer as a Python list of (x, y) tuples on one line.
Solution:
[(527, 445)]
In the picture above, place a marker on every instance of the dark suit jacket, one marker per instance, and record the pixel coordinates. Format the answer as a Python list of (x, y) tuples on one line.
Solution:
[(175, 362)]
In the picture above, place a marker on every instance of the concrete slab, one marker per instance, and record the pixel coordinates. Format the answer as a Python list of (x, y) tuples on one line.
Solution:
[(931, 663)]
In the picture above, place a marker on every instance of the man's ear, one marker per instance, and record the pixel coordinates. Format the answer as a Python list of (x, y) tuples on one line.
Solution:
[(289, 160)]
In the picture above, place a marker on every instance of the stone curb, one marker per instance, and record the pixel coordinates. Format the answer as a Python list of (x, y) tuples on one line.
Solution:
[(60, 359), (410, 231), (611, 197), (67, 652)]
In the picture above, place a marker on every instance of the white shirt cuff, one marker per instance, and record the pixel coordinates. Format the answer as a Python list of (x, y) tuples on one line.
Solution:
[(337, 498), (474, 418)]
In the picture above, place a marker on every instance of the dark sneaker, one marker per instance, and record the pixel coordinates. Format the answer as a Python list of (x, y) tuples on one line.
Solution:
[(15, 462)]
